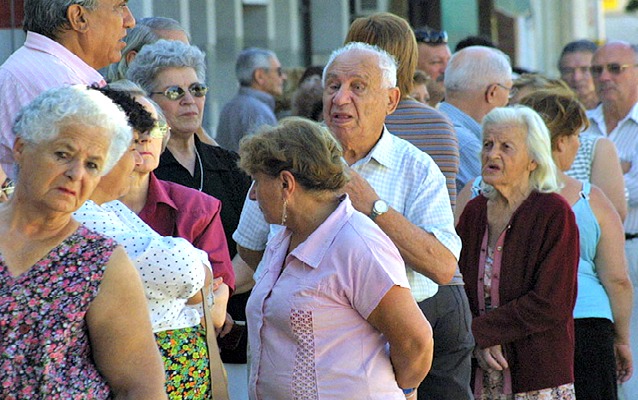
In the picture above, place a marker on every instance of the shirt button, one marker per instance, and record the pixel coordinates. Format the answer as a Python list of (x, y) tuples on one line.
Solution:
[(24, 328), (499, 248)]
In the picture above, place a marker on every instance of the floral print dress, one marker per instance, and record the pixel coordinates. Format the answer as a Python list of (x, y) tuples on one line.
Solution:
[(44, 342), (496, 385)]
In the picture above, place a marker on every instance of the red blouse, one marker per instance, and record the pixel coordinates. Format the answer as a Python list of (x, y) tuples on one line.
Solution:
[(175, 210)]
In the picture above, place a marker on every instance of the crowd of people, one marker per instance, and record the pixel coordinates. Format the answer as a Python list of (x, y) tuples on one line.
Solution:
[(425, 224)]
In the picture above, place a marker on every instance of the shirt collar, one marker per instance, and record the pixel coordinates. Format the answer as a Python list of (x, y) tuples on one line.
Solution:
[(598, 117), (264, 97), (158, 194), (312, 251), (41, 43), (381, 152), (459, 117)]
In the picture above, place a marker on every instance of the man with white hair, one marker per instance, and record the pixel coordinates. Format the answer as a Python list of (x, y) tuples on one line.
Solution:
[(67, 42), (477, 80), (260, 79), (398, 186)]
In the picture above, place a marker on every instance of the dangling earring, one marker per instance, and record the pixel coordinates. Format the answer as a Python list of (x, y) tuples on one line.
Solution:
[(284, 214)]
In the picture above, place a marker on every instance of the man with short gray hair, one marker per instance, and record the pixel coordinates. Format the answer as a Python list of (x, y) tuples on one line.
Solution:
[(260, 79), (397, 185), (67, 42), (477, 80)]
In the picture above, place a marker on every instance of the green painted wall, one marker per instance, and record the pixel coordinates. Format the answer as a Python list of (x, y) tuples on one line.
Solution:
[(460, 19)]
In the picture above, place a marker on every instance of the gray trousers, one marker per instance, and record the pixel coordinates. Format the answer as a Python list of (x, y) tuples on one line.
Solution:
[(449, 314)]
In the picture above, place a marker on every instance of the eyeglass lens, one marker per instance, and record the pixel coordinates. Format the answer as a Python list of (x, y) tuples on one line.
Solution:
[(613, 68), (175, 92), (159, 130)]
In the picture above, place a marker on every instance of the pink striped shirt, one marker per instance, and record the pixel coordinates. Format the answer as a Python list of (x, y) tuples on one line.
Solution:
[(40, 64)]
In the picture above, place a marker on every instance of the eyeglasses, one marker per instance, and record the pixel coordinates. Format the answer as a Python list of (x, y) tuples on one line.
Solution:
[(512, 90), (430, 36), (613, 68), (158, 131), (175, 92), (8, 187)]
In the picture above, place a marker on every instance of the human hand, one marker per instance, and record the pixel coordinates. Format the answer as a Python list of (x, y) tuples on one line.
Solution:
[(361, 193), (227, 327), (217, 283), (491, 358), (624, 362)]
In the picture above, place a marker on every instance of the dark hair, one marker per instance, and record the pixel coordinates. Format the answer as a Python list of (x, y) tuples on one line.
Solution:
[(138, 118), (310, 71), (474, 41), (584, 45), (48, 17)]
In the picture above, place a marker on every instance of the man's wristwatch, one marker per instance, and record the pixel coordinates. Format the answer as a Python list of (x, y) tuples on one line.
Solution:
[(378, 207)]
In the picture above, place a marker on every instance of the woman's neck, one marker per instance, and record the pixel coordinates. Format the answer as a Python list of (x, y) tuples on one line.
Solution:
[(20, 216), (137, 195), (303, 223), (184, 151), (508, 199)]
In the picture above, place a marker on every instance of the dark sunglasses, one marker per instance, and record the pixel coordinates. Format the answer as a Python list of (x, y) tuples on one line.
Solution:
[(430, 36), (159, 130), (613, 68), (175, 92)]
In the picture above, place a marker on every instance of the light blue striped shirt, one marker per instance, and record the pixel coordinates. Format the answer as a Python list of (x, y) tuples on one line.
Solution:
[(408, 180), (625, 137), (468, 133)]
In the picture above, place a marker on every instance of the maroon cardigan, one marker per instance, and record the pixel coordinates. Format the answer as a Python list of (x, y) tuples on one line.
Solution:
[(537, 289)]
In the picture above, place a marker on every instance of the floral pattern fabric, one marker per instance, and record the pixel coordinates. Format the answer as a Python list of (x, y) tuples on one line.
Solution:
[(185, 356), (494, 381), (44, 342)]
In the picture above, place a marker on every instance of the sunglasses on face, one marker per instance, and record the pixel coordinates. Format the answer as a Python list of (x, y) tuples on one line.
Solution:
[(158, 131), (431, 36), (613, 68), (175, 92)]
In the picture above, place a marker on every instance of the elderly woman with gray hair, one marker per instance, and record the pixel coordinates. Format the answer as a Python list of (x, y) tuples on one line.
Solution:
[(519, 262), (172, 209), (173, 74), (73, 319)]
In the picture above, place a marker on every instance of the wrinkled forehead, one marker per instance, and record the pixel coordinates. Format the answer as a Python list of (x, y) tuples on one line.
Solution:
[(355, 63)]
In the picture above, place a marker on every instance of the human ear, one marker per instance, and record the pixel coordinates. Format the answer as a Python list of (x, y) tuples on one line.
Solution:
[(76, 15), (18, 149), (490, 93), (394, 96), (130, 56)]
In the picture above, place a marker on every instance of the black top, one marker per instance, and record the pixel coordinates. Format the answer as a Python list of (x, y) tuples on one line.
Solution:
[(222, 179)]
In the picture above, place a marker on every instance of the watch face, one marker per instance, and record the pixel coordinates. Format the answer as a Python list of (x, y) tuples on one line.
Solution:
[(380, 207)]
